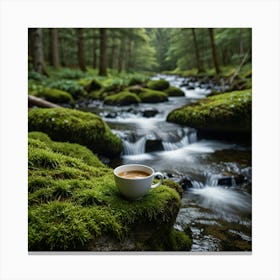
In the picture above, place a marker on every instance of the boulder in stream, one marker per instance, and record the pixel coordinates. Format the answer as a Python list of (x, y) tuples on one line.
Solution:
[(149, 113), (227, 112)]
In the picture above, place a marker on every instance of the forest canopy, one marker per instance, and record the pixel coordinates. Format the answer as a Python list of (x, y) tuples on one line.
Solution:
[(138, 49)]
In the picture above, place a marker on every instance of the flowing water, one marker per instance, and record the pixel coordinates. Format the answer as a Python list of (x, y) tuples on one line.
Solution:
[(216, 175)]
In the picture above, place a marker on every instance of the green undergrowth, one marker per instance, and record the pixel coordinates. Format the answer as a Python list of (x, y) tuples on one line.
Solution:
[(73, 201), (228, 111), (87, 129)]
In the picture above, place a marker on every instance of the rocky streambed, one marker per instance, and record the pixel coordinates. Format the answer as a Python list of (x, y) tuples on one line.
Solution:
[(215, 173)]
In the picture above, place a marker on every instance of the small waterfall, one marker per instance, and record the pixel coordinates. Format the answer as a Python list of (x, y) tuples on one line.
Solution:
[(215, 180), (212, 180), (165, 140), (193, 137), (168, 146), (134, 148)]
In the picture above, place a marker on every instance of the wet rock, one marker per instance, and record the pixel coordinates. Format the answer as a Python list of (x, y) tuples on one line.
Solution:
[(153, 145), (185, 183), (111, 115), (149, 113), (230, 179)]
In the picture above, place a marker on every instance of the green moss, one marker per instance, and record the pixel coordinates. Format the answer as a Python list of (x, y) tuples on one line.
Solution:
[(228, 111), (90, 85), (41, 140), (169, 240), (87, 129), (175, 186), (72, 204), (174, 91), (152, 96), (56, 95), (39, 136), (96, 95), (122, 98), (70, 86), (158, 84)]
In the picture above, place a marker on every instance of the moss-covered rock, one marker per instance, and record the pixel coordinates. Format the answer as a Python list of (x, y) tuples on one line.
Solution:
[(76, 206), (174, 91), (55, 95), (224, 112), (122, 98), (65, 148), (90, 85), (152, 96), (74, 126), (158, 84)]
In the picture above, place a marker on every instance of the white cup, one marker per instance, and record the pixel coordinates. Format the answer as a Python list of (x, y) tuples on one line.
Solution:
[(135, 188)]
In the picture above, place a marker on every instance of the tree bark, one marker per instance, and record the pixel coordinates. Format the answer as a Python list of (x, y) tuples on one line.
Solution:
[(214, 52), (197, 58), (113, 51), (54, 47), (94, 55), (39, 102), (121, 55), (81, 49), (38, 56), (102, 61)]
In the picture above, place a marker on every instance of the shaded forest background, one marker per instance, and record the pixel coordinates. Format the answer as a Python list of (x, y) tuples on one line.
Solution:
[(116, 50)]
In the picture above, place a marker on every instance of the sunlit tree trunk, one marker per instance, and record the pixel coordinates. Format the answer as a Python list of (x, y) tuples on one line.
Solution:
[(38, 56), (102, 61), (214, 52), (81, 49), (54, 55), (197, 58)]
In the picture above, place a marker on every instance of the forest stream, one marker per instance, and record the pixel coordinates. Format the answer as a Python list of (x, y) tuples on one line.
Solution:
[(216, 174)]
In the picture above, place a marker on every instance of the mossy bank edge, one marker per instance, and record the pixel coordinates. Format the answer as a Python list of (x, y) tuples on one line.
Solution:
[(223, 113)]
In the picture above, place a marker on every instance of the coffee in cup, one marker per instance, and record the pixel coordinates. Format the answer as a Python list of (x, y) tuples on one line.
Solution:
[(135, 180)]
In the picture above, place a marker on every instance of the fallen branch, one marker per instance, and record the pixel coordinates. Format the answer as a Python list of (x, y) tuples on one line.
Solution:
[(238, 68), (36, 101)]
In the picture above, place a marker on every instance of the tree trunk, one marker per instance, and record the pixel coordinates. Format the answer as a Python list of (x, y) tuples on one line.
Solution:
[(62, 51), (81, 49), (197, 58), (38, 56), (121, 55), (102, 61), (113, 51), (129, 56), (214, 52), (54, 57), (94, 56), (30, 45)]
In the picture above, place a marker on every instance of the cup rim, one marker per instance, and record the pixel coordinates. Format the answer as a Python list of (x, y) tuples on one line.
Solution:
[(134, 164)]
